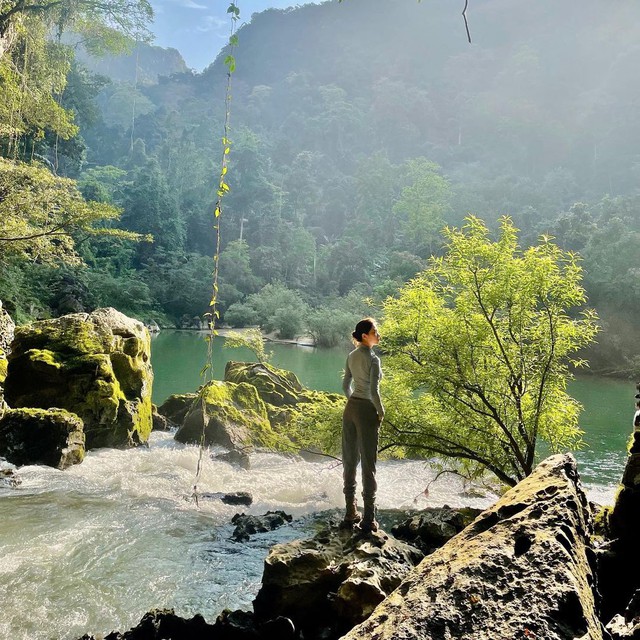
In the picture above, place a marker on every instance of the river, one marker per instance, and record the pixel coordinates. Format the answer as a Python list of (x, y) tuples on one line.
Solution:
[(92, 548)]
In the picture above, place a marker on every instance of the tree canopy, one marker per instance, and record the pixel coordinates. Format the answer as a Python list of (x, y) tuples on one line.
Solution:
[(479, 348)]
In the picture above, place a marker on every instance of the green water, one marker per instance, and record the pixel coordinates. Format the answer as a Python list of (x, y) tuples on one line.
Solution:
[(178, 357)]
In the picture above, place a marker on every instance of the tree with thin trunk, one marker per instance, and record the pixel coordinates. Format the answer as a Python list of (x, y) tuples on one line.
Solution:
[(479, 352)]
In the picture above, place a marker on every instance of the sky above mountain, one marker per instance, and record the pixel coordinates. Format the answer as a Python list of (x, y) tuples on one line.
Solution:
[(198, 29)]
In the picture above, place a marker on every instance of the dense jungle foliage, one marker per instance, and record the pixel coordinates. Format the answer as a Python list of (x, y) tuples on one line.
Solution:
[(359, 130)]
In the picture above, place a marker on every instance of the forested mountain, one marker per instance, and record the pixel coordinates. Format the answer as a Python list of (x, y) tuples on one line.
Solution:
[(359, 129)]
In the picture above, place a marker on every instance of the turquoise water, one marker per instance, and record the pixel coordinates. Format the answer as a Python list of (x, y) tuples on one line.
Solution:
[(178, 357)]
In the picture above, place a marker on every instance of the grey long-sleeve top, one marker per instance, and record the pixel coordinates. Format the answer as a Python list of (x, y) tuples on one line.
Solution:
[(363, 368)]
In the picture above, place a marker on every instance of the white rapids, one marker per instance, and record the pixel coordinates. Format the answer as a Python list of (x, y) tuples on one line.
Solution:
[(92, 548)]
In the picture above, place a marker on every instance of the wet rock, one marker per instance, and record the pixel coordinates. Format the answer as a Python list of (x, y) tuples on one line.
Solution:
[(176, 407), (236, 498), (8, 475), (236, 458), (164, 624), (52, 437), (159, 422), (327, 584), (247, 526), (95, 365), (432, 528), (232, 415), (520, 570)]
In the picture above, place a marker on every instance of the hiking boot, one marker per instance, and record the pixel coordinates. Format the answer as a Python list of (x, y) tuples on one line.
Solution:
[(369, 526), (352, 515), (369, 523)]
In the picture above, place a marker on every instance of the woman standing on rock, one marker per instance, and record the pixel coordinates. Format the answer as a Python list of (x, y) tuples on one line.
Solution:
[(360, 424)]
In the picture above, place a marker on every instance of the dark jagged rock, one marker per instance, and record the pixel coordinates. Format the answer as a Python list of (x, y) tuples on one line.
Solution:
[(432, 528), (52, 437), (8, 475), (618, 559), (247, 526), (236, 498), (327, 584), (160, 422), (164, 624), (521, 570), (237, 458), (95, 365), (176, 407)]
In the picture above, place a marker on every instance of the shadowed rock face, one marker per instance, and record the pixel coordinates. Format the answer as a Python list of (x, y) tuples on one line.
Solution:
[(95, 365), (618, 559), (333, 581), (53, 437), (521, 570)]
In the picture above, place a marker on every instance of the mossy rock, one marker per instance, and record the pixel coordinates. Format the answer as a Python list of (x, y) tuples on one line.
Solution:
[(52, 437), (233, 416), (176, 407), (95, 365), (278, 387)]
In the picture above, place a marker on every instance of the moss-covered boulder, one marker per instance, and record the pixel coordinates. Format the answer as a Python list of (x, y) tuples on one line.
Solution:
[(96, 365), (232, 415), (275, 386), (52, 437), (522, 569)]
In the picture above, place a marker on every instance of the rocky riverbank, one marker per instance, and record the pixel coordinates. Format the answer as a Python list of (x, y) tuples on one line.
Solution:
[(529, 567), (537, 564)]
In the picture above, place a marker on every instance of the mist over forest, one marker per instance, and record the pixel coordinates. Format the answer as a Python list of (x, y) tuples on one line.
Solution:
[(359, 130)]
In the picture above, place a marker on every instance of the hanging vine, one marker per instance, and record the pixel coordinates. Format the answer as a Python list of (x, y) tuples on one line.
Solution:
[(223, 188)]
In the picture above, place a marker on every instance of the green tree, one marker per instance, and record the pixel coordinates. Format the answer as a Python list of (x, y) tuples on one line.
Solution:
[(479, 348), (423, 205), (40, 213)]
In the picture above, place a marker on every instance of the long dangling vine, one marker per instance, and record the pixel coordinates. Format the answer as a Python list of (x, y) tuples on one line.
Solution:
[(223, 188)]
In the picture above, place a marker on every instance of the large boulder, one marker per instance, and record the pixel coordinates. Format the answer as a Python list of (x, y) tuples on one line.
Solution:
[(275, 386), (52, 437), (232, 415), (333, 581), (521, 570), (96, 365)]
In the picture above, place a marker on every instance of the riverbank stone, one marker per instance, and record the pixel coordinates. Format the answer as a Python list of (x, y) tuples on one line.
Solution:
[(232, 415), (331, 582), (522, 569), (176, 407), (247, 525), (96, 365), (433, 527), (52, 437)]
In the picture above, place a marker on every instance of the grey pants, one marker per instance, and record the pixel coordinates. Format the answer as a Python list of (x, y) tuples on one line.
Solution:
[(360, 428)]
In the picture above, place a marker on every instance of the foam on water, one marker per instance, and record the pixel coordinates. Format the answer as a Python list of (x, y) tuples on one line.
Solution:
[(91, 549)]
